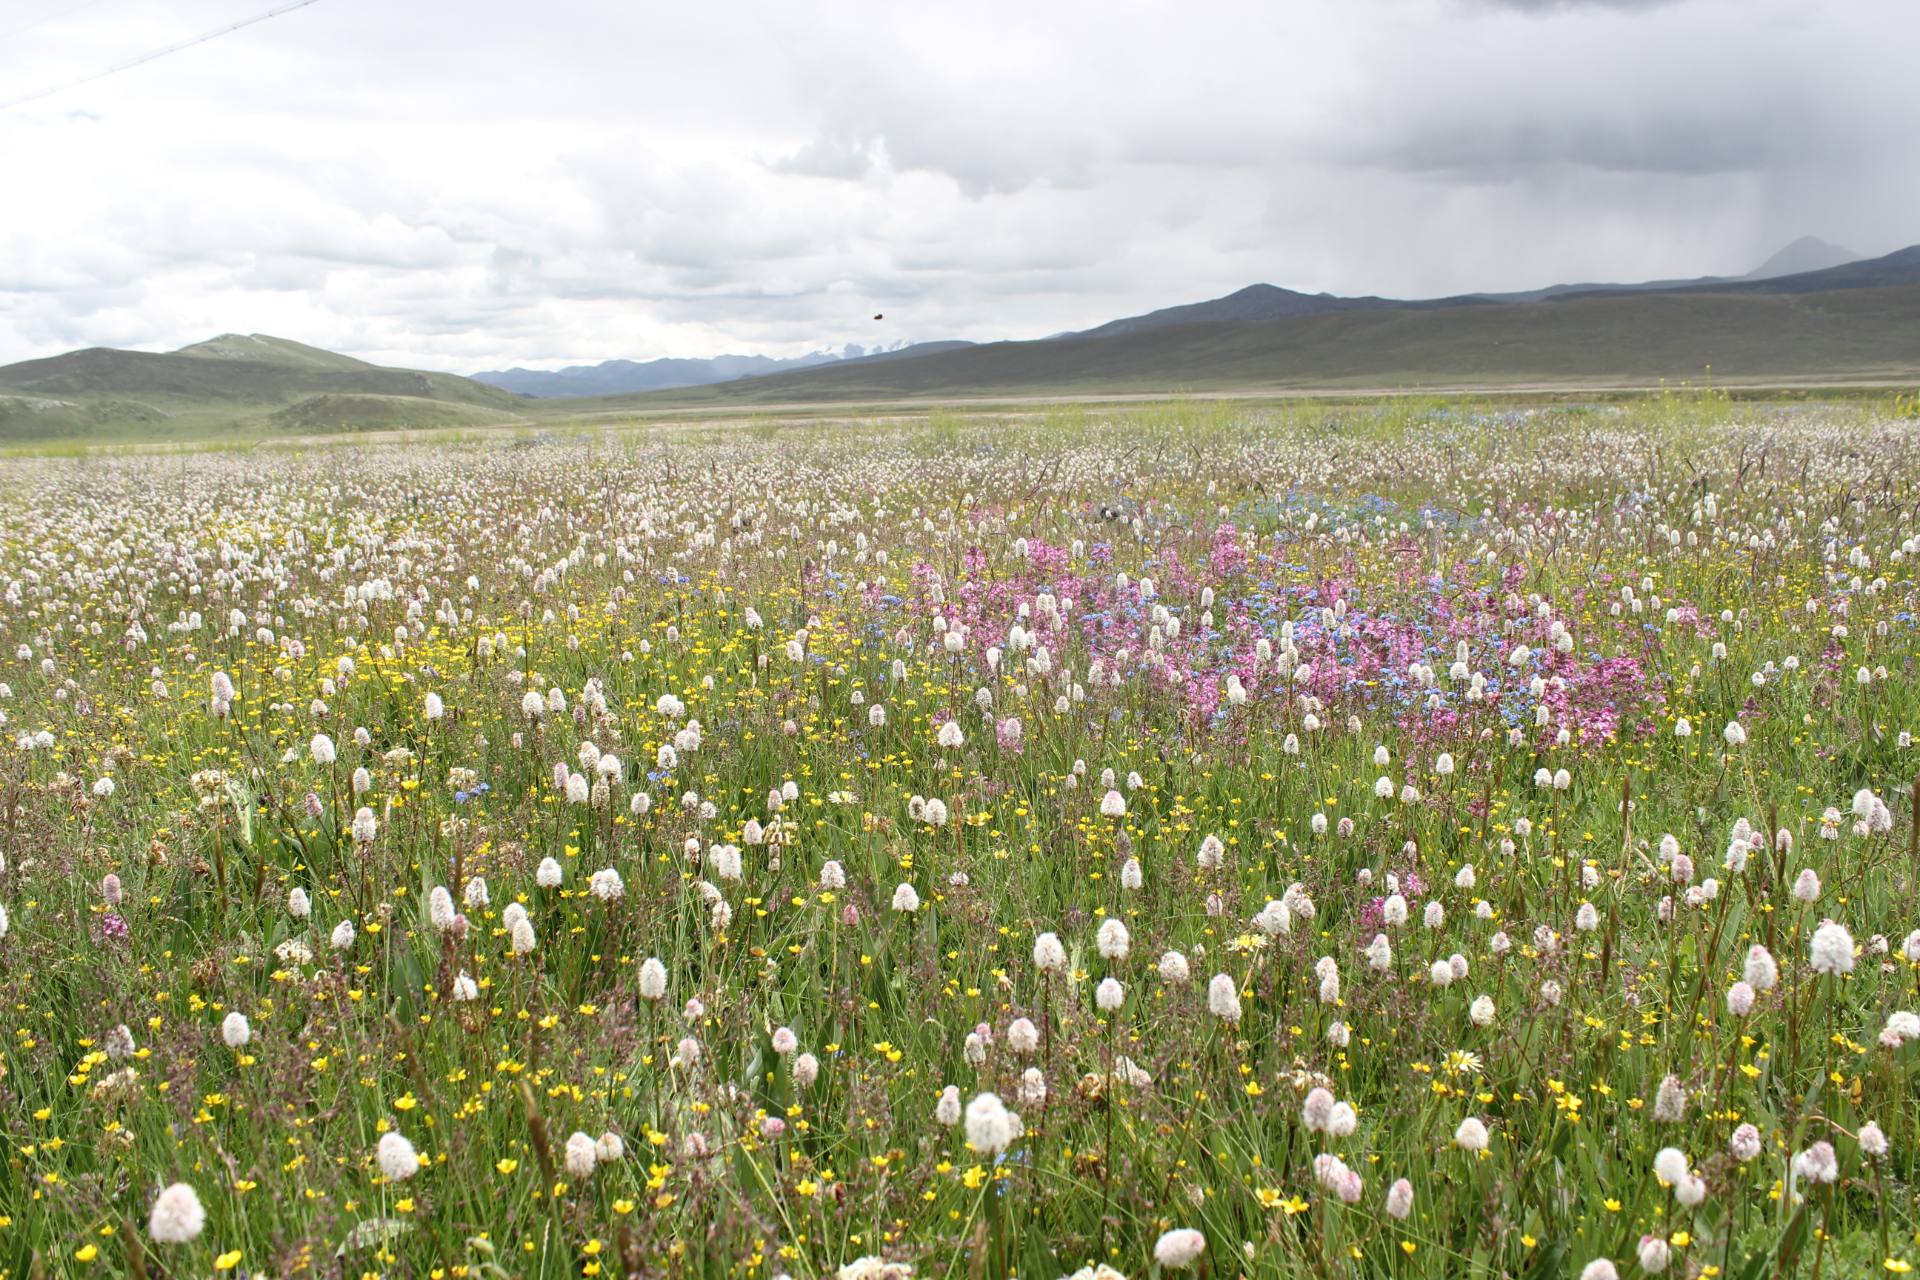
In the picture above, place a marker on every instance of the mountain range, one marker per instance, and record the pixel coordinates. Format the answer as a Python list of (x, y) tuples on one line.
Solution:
[(1270, 302), (1811, 313), (613, 377), (1855, 320), (1255, 302)]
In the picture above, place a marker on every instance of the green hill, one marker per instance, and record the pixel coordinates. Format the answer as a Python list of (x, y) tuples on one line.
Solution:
[(264, 348), (1865, 334), (24, 417), (230, 383), (345, 411)]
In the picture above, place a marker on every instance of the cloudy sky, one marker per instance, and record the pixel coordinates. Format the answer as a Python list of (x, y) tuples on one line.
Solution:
[(469, 184)]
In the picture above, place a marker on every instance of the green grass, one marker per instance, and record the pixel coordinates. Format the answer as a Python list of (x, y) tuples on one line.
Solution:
[(1315, 552), (353, 412)]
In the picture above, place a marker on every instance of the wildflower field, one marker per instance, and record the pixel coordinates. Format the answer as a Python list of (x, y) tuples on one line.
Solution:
[(1363, 841)]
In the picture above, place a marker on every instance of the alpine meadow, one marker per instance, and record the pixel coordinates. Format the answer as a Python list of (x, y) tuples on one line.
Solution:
[(1381, 839)]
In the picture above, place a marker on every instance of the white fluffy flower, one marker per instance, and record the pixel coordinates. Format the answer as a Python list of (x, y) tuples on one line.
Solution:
[(1902, 1026), (177, 1216), (1022, 1036), (991, 1128), (396, 1155), (582, 1154), (1274, 919), (1179, 1248), (1471, 1135), (1174, 969), (1832, 949), (1670, 1101), (1670, 1166), (1817, 1164), (1223, 998)]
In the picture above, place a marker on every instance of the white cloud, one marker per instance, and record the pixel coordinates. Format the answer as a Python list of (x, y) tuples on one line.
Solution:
[(473, 185)]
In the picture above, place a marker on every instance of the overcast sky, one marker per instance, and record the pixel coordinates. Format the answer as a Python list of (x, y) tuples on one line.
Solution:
[(474, 184)]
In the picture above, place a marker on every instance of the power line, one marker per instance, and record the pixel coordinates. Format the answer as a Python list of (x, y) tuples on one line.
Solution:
[(131, 63)]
